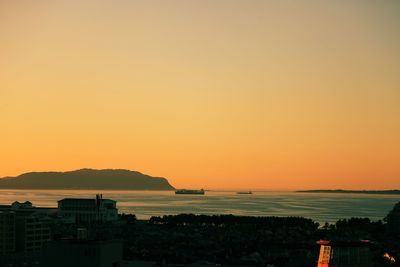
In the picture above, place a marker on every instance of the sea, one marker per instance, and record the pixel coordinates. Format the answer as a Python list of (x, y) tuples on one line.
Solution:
[(321, 207)]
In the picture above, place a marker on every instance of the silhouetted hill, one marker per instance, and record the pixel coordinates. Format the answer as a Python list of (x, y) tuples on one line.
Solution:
[(86, 179)]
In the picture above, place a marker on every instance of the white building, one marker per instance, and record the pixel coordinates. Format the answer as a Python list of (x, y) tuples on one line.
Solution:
[(88, 210)]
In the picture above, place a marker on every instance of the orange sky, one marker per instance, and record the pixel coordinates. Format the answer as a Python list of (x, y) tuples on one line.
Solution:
[(214, 94)]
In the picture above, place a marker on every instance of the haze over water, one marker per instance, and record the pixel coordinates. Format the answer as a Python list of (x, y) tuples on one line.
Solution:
[(144, 204)]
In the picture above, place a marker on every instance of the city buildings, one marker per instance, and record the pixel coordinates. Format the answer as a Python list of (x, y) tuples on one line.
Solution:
[(344, 254), (23, 228), (23, 231), (88, 210)]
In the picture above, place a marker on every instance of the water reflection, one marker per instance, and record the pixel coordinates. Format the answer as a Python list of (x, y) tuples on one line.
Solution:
[(317, 206)]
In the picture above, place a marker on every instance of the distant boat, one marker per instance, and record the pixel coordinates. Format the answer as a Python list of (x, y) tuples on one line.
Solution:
[(244, 193), (189, 192)]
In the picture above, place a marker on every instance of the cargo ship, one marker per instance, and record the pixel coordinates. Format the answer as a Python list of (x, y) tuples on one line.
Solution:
[(244, 193), (189, 192)]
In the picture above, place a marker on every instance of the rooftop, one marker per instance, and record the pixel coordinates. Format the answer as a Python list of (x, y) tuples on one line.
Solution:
[(350, 243), (84, 199)]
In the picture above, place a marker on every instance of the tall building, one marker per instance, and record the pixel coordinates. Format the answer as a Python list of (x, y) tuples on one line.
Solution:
[(344, 254), (28, 226), (7, 232), (88, 210), (32, 233)]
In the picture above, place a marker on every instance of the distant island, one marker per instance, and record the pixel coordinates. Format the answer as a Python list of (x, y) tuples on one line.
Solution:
[(381, 192), (112, 179)]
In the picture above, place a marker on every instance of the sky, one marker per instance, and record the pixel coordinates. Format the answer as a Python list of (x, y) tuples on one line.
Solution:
[(248, 94)]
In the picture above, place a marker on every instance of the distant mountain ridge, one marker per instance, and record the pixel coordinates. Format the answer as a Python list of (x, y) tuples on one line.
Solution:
[(383, 192), (113, 179)]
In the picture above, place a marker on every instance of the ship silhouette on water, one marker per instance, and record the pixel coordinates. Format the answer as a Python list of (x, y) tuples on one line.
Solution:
[(244, 193), (189, 192)]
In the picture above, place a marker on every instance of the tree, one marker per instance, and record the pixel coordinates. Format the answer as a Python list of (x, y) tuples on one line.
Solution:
[(393, 220)]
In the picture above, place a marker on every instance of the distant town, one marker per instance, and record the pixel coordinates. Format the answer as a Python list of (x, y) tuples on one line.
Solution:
[(91, 232)]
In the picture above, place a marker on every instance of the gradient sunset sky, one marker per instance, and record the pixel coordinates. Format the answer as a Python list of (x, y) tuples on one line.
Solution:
[(209, 93)]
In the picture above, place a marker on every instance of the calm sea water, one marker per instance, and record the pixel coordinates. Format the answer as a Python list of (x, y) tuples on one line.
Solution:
[(317, 206)]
